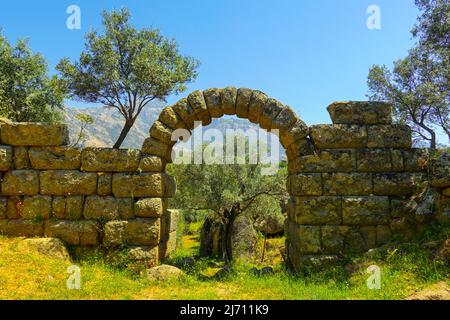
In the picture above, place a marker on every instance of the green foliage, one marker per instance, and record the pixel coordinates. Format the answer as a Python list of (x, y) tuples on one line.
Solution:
[(125, 69), (84, 121), (27, 93), (419, 85)]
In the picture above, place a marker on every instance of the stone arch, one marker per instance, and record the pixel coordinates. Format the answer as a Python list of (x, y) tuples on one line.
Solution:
[(205, 105), (347, 180)]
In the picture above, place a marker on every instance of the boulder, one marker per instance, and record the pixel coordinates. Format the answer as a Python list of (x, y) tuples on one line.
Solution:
[(164, 272), (50, 247)]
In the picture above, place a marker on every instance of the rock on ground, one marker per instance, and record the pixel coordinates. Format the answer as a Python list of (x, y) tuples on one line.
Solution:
[(50, 247), (164, 272), (439, 291)]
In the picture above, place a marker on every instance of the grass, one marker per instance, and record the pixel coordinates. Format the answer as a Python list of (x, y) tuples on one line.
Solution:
[(25, 274)]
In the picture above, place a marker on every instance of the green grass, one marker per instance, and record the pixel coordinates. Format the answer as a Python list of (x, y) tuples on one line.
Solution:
[(405, 269)]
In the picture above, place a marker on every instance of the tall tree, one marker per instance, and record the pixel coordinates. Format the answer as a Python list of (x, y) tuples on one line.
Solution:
[(125, 69), (27, 93), (419, 85)]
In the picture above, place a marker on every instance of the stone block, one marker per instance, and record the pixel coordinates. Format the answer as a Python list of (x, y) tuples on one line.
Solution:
[(138, 185), (198, 104), (21, 158), (185, 112), (300, 148), (396, 184), (114, 234), (285, 119), (149, 208), (244, 95), (298, 131), (389, 136), (333, 238), (373, 160), (68, 208), (338, 136), (68, 182), (270, 110), (3, 208), (161, 132), (155, 147), (152, 164), (305, 239), (108, 208), (145, 232), (213, 101), (360, 112), (78, 233), (55, 158), (171, 119), (104, 184), (20, 182), (21, 228), (306, 184), (228, 98), (325, 161), (109, 160), (318, 211), (257, 102), (14, 208), (6, 158), (365, 211), (37, 208), (440, 171), (34, 134), (399, 208), (347, 184)]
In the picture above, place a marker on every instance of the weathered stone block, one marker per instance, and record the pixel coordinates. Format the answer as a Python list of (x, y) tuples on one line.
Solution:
[(154, 147), (21, 228), (270, 110), (67, 182), (416, 160), (305, 239), (68, 208), (21, 182), (55, 158), (138, 186), (114, 233), (171, 119), (3, 208), (347, 184), (37, 207), (161, 132), (306, 184), (145, 232), (149, 208), (298, 131), (6, 158), (244, 95), (396, 184), (229, 97), (333, 238), (318, 211), (213, 102), (398, 207), (168, 246), (373, 160), (360, 112), (325, 161), (440, 171), (198, 104), (300, 148), (365, 211), (107, 208), (284, 120), (152, 164), (82, 233), (109, 160), (393, 136), (185, 112), (169, 222), (21, 158), (397, 160), (257, 101), (104, 184), (34, 134), (170, 186), (338, 136), (14, 209)]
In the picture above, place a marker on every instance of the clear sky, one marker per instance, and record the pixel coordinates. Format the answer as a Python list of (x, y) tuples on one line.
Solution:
[(305, 53)]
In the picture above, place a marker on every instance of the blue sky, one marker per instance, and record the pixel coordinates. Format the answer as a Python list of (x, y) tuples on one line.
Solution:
[(305, 53)]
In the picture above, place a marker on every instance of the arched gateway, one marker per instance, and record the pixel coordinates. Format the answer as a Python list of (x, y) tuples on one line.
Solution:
[(347, 181)]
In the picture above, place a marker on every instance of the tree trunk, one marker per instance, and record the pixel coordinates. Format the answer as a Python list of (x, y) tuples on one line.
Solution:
[(123, 134), (230, 218)]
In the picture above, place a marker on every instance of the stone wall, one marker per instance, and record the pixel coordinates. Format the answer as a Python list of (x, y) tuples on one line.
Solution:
[(88, 198), (348, 181)]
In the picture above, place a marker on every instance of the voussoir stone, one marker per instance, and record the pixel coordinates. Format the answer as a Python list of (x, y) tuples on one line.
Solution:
[(213, 101), (34, 134), (109, 160), (150, 163), (138, 185), (171, 119), (360, 112), (185, 112), (270, 110), (55, 158), (198, 104), (257, 102), (244, 95), (298, 131), (68, 182), (228, 98)]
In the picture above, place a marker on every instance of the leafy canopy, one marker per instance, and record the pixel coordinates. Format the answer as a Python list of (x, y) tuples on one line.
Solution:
[(27, 93)]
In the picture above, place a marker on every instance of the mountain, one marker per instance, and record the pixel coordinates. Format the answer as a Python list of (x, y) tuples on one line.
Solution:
[(108, 124)]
